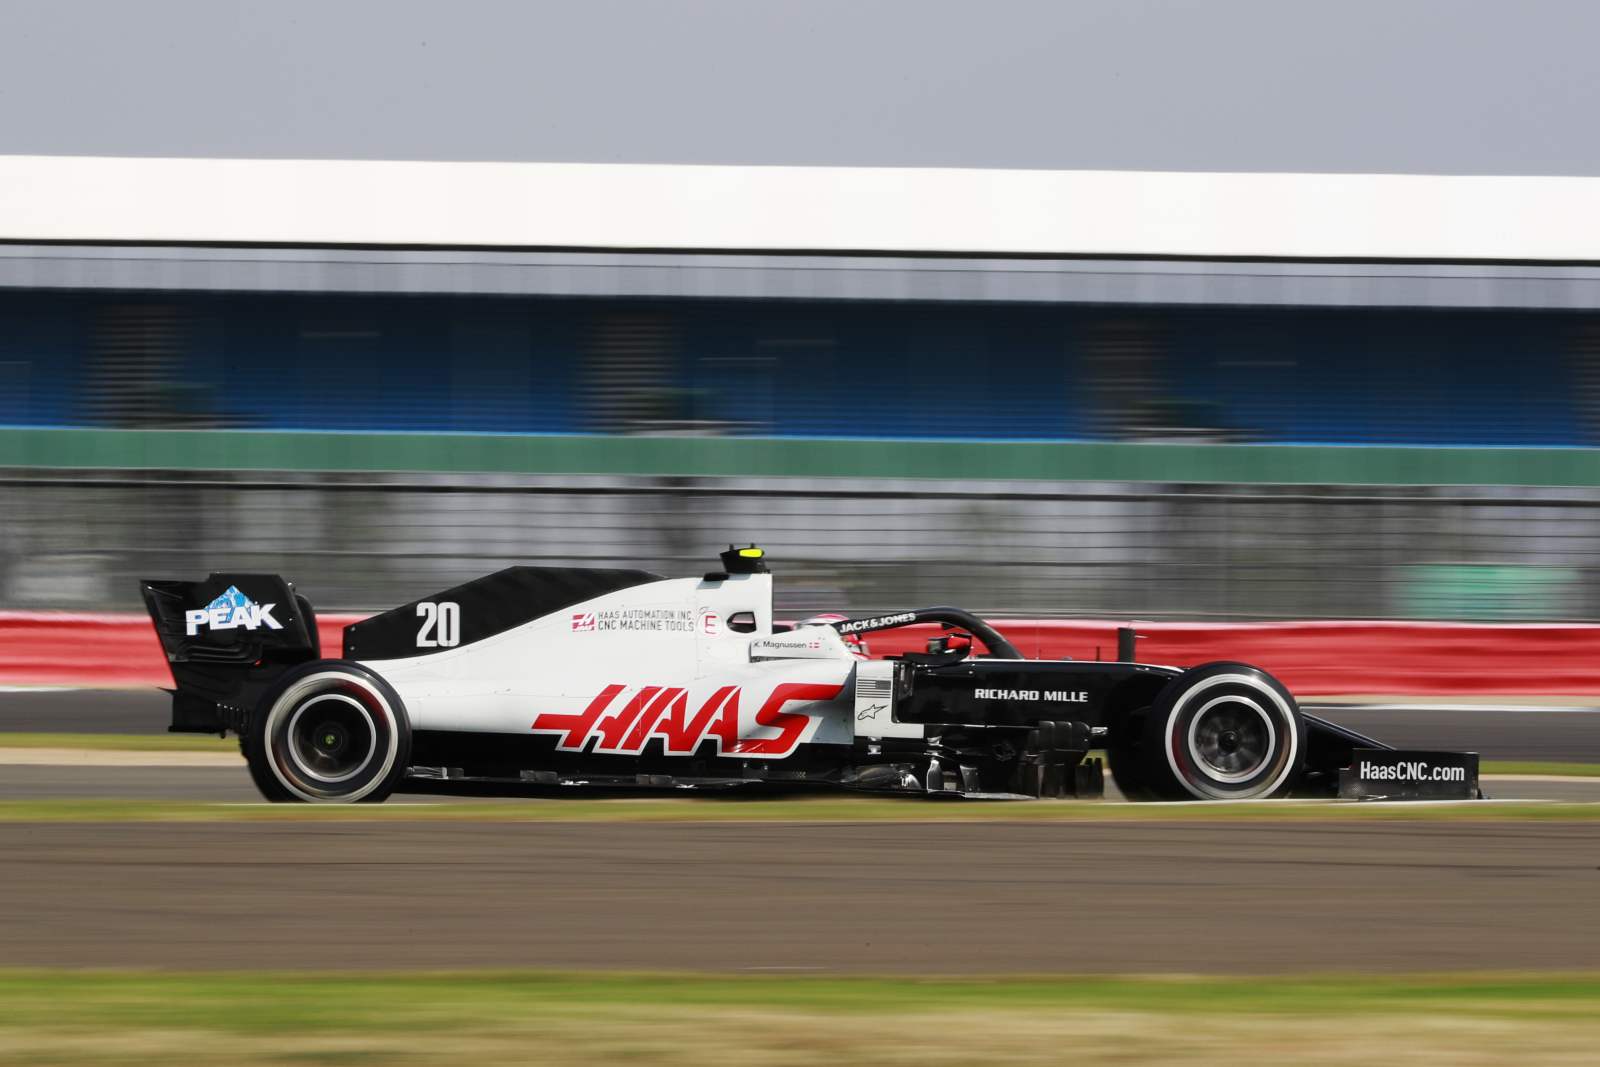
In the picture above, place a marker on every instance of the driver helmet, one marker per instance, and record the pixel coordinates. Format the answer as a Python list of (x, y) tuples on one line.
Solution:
[(857, 646)]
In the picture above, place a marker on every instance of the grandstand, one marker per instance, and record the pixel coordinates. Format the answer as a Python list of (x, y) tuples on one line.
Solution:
[(796, 368), (1004, 305)]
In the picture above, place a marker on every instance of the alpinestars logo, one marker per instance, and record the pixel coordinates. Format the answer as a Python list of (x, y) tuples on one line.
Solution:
[(231, 611), (663, 712)]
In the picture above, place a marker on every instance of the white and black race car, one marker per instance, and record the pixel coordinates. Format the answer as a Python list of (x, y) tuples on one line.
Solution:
[(554, 676)]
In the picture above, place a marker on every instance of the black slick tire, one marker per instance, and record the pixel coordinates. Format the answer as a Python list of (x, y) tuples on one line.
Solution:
[(329, 731), (1222, 731), (1126, 755)]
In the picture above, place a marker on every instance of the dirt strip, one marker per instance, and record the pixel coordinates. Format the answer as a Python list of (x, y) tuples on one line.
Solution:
[(912, 899)]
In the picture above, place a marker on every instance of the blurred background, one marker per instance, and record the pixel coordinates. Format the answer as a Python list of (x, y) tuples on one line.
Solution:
[(1370, 401), (997, 436)]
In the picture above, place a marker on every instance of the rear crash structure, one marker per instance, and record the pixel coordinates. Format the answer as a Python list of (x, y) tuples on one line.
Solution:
[(540, 676)]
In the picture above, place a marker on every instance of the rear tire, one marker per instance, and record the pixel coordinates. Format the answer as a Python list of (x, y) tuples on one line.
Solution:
[(328, 732), (1127, 757), (1222, 731)]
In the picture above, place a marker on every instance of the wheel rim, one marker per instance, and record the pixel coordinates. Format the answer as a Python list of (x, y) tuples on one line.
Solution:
[(1231, 738), (331, 738)]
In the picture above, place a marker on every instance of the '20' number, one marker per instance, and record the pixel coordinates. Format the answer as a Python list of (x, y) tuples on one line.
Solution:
[(441, 624)]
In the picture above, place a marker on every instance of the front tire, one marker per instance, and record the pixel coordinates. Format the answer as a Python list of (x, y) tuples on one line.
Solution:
[(330, 731), (1223, 731)]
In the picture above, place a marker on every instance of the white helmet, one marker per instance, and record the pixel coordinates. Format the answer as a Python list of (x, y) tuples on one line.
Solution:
[(828, 618)]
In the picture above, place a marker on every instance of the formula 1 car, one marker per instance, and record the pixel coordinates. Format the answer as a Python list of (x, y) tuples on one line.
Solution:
[(552, 676)]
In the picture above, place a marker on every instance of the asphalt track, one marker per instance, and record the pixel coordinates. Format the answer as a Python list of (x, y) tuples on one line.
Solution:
[(911, 899), (84, 711), (1571, 734)]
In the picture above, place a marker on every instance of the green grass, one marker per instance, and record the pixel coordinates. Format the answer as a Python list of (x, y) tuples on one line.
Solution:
[(122, 742), (250, 1018), (840, 809), (268, 1001)]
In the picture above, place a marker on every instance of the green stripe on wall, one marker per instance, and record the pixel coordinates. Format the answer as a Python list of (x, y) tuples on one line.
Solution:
[(200, 450)]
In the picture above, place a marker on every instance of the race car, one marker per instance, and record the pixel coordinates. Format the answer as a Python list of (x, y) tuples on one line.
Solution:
[(560, 676)]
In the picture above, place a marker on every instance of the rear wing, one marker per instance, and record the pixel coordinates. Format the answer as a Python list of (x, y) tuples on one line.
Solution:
[(226, 639)]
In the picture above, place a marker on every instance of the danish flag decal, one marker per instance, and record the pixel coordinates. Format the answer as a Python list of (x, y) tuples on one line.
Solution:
[(663, 711)]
